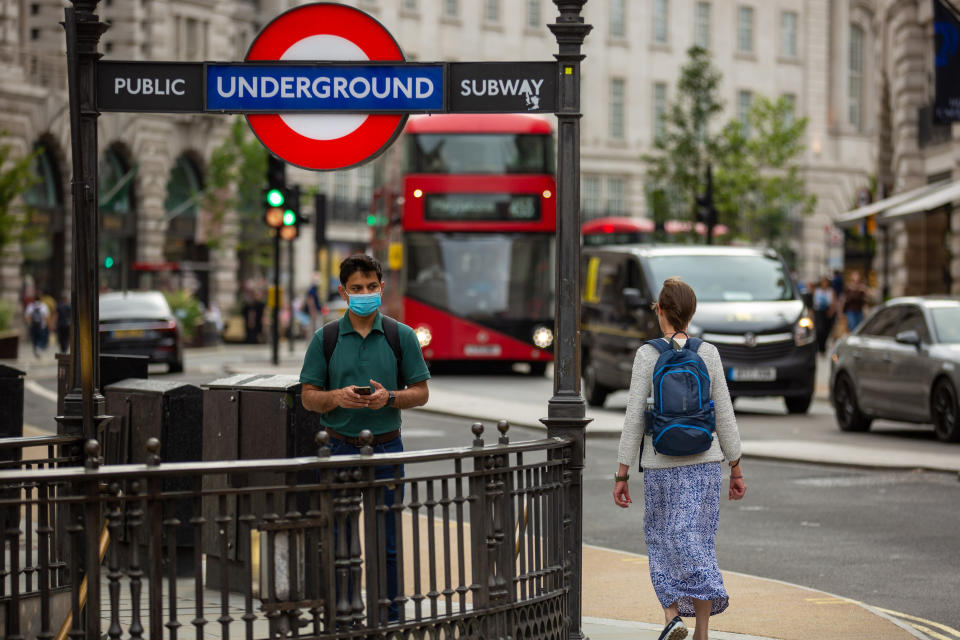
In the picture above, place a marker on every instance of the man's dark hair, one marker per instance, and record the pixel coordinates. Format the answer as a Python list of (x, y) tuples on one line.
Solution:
[(359, 262)]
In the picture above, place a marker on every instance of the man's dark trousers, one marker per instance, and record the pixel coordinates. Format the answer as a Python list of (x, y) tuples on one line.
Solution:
[(341, 448)]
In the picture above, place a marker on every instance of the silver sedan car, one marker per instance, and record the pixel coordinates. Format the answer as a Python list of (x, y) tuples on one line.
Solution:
[(902, 363)]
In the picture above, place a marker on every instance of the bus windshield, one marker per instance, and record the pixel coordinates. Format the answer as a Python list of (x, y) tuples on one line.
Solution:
[(726, 278), (482, 277), (480, 153)]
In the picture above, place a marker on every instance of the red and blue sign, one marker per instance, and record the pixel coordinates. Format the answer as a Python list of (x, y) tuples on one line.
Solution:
[(324, 32)]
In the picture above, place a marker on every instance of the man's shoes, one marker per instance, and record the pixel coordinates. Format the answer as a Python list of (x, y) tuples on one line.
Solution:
[(675, 630)]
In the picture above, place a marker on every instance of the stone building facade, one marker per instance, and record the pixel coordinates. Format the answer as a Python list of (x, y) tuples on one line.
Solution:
[(858, 69)]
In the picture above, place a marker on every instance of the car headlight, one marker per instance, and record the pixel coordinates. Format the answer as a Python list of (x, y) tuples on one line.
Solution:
[(543, 337), (803, 331), (423, 336)]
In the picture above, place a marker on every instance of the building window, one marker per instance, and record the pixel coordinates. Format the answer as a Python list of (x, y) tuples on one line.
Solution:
[(855, 78), (744, 102), (34, 34), (659, 110), (701, 35), (788, 34), (745, 29), (410, 5), (590, 196), (616, 196), (451, 8), (533, 14), (618, 18), (791, 114), (491, 11), (617, 91), (660, 32), (34, 9)]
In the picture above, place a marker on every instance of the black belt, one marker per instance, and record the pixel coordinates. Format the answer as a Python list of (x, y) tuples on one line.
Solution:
[(380, 438)]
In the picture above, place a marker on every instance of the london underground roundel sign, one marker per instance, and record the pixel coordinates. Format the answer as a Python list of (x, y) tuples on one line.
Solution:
[(325, 32)]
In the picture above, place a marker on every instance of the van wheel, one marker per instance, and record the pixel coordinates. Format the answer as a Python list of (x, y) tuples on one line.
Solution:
[(538, 369), (849, 416), (943, 410), (798, 404), (593, 391)]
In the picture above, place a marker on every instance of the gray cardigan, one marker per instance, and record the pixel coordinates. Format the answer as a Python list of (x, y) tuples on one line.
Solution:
[(726, 441)]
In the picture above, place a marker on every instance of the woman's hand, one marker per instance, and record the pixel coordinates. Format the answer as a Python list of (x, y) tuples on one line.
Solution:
[(621, 494), (737, 486)]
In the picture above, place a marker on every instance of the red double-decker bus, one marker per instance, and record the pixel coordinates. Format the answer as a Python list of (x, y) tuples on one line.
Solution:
[(465, 216)]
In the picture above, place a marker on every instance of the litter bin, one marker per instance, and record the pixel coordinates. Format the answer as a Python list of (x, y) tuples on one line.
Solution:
[(113, 368), (11, 390), (246, 417), (170, 411)]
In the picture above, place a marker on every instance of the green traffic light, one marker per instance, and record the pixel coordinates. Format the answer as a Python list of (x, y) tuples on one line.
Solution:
[(275, 197), (371, 219), (289, 218), (108, 262)]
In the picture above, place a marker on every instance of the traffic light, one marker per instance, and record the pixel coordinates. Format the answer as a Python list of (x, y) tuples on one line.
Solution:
[(320, 218), (274, 199), (291, 218), (108, 262)]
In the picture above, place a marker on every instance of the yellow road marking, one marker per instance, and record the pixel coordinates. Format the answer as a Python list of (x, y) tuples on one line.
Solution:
[(930, 632), (907, 616), (831, 600)]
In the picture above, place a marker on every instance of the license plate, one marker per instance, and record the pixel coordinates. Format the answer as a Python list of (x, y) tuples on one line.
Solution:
[(128, 333), (753, 374), (481, 349)]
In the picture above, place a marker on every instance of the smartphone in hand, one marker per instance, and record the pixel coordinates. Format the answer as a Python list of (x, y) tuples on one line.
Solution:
[(363, 391)]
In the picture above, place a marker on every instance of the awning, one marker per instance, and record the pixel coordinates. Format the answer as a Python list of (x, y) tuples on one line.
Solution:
[(856, 216), (929, 202)]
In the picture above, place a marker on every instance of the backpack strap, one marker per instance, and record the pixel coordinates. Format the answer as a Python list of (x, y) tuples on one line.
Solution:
[(391, 331), (659, 345), (693, 344)]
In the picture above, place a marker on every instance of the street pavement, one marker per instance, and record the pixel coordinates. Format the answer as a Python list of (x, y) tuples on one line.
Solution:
[(618, 599)]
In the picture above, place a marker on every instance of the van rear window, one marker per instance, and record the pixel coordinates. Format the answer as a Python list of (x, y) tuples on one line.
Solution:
[(726, 278)]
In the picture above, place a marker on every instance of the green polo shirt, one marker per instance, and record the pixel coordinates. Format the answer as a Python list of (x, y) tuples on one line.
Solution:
[(356, 361)]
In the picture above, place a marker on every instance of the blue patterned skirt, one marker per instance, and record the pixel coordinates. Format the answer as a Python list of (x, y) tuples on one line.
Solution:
[(681, 514)]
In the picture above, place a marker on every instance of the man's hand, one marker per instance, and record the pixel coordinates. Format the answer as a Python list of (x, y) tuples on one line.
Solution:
[(379, 397), (348, 398)]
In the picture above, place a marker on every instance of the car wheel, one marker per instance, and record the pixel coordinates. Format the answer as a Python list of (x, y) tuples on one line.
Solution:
[(849, 417), (943, 411), (593, 391), (175, 367), (798, 404), (537, 369)]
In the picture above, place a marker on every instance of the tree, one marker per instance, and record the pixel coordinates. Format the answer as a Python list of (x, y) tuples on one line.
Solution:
[(759, 192), (16, 176), (675, 170)]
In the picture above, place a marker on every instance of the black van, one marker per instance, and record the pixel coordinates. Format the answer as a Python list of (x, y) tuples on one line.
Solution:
[(747, 306)]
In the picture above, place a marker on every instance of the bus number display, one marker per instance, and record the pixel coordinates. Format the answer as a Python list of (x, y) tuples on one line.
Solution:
[(481, 206)]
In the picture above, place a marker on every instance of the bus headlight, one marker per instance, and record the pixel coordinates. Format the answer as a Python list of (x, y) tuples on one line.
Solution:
[(543, 337), (803, 331), (423, 336)]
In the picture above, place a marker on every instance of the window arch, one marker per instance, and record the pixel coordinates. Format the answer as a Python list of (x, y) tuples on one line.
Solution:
[(183, 189), (115, 183)]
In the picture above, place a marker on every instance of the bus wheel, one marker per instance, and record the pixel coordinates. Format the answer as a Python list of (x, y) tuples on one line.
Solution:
[(538, 368), (594, 393)]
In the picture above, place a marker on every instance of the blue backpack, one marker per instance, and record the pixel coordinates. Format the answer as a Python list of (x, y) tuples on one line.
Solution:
[(681, 419)]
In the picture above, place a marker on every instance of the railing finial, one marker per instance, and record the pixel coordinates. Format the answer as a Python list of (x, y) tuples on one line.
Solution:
[(322, 439), (153, 452), (366, 443), (477, 428), (92, 450), (503, 426)]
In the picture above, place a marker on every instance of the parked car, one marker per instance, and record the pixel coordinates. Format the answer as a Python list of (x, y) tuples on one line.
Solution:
[(747, 306), (901, 363), (140, 323)]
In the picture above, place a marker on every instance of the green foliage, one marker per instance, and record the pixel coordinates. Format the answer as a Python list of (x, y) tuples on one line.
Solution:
[(757, 187), (758, 190), (16, 176), (6, 315), (235, 180), (187, 309)]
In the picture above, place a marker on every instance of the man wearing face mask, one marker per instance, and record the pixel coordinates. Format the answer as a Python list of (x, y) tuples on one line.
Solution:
[(356, 352)]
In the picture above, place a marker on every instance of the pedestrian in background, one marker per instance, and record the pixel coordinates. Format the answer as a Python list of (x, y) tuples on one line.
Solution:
[(37, 315), (681, 493), (854, 300), (63, 323), (824, 311), (364, 385)]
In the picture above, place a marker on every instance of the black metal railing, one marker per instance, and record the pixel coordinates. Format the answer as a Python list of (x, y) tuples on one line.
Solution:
[(294, 547)]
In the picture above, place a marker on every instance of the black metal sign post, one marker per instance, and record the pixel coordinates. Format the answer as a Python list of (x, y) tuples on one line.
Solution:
[(83, 404), (566, 412)]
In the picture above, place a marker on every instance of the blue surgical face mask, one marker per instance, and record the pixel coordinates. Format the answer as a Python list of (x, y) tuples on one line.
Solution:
[(363, 304)]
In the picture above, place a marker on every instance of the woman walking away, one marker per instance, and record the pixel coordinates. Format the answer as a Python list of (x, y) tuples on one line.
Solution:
[(681, 492)]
